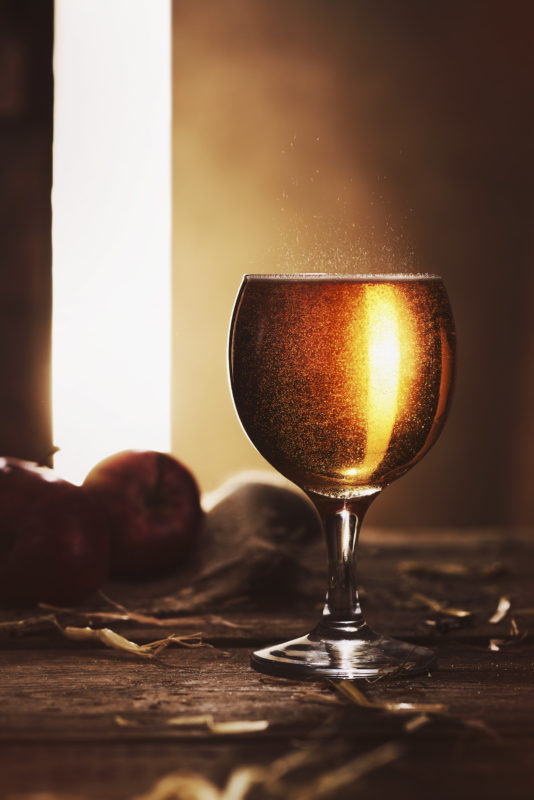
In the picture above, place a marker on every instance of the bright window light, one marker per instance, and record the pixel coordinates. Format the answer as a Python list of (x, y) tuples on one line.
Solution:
[(111, 238)]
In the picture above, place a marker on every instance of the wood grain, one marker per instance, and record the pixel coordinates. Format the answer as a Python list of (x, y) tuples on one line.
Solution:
[(93, 722)]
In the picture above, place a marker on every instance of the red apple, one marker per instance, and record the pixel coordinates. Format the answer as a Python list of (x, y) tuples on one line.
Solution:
[(154, 507), (54, 546)]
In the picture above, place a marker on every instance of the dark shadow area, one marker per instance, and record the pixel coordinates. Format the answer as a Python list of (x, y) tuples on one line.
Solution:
[(26, 102)]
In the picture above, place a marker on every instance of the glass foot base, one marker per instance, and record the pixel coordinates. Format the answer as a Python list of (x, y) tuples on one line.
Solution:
[(366, 656)]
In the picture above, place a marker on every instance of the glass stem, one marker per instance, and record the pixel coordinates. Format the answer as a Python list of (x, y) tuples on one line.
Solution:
[(342, 613)]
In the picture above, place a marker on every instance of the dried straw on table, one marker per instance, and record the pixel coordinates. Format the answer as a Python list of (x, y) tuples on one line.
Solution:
[(47, 621), (124, 722), (350, 692), (450, 569), (515, 637), (439, 607), (28, 624), (220, 727), (503, 607), (115, 641), (192, 786), (106, 636), (224, 727)]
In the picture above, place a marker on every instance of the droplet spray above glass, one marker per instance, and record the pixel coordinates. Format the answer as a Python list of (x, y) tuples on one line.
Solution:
[(342, 383)]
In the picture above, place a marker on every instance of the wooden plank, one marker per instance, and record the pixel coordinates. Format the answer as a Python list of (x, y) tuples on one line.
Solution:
[(463, 767), (94, 722), (70, 695)]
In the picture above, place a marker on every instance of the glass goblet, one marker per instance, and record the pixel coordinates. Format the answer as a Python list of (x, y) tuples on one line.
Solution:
[(342, 383)]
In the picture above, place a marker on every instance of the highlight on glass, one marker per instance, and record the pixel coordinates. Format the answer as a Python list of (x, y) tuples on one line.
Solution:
[(342, 382)]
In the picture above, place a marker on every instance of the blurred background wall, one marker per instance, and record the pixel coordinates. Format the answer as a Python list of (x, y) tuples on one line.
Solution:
[(357, 136), (312, 135)]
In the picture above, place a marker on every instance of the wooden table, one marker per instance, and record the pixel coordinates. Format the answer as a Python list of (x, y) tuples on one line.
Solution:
[(81, 720)]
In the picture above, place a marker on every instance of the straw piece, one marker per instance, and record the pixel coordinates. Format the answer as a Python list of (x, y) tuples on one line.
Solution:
[(450, 569), (356, 696), (336, 779), (124, 722), (515, 636), (228, 727), (115, 641), (440, 608), (503, 607), (27, 624)]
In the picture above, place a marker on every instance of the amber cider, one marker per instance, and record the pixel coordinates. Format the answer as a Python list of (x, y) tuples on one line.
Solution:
[(342, 382)]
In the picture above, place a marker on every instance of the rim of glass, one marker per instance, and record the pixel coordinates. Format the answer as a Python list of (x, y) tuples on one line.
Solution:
[(339, 276)]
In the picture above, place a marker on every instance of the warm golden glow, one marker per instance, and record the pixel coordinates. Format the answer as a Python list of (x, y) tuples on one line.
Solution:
[(384, 358), (384, 352)]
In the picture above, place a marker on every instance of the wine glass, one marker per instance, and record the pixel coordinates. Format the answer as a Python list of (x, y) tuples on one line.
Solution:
[(342, 382)]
